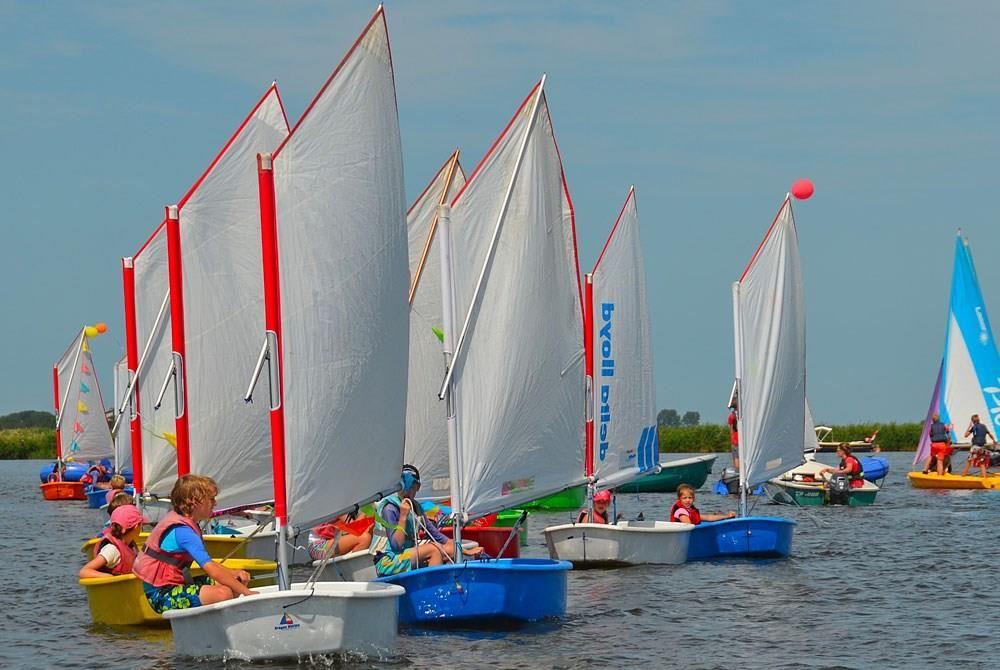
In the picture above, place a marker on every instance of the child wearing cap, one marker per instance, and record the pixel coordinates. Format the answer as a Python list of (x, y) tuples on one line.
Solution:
[(684, 511), (602, 499), (116, 551)]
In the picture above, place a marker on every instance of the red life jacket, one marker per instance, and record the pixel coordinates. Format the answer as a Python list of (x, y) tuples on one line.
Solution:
[(692, 513), (127, 551), (596, 517), (160, 568)]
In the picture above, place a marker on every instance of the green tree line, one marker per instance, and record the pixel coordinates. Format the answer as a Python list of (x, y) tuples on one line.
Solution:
[(715, 438), (27, 443)]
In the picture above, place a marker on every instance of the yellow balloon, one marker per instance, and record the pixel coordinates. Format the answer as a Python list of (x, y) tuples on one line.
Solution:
[(90, 331)]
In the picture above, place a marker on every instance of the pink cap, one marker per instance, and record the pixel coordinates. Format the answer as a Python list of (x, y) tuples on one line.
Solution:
[(128, 517), (602, 496)]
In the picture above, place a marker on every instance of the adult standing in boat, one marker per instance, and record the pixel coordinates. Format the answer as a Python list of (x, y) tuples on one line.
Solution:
[(734, 435), (849, 466), (600, 513), (176, 543), (979, 455), (940, 445)]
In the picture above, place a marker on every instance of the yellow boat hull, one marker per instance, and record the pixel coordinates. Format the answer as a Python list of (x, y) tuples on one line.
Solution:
[(216, 545), (120, 601), (948, 481)]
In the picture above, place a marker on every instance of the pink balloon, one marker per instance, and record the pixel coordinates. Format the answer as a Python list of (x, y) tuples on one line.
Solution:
[(802, 189)]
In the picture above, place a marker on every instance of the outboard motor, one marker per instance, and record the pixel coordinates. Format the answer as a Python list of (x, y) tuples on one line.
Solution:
[(994, 458), (838, 490), (731, 479)]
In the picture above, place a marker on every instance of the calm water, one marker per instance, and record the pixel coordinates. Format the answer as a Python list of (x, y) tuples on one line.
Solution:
[(906, 583)]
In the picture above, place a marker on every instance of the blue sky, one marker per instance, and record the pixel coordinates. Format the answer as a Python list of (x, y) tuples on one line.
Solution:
[(710, 108)]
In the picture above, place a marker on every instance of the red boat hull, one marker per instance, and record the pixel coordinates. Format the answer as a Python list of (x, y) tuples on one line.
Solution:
[(491, 539), (63, 491)]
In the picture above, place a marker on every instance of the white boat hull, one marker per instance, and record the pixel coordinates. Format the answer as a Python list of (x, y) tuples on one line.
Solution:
[(624, 543), (330, 618)]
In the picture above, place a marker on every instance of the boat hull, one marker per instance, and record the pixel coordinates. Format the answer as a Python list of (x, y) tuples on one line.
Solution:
[(693, 471), (98, 498), (808, 495), (260, 547), (568, 499), (483, 594), (947, 481), (490, 538), (746, 537), (593, 545), (120, 600), (63, 491), (329, 618)]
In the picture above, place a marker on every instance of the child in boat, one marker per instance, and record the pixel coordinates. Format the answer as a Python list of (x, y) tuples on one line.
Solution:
[(115, 553), (979, 455), (684, 511), (601, 501), (176, 543), (849, 465), (322, 537), (398, 520), (941, 449), (116, 485)]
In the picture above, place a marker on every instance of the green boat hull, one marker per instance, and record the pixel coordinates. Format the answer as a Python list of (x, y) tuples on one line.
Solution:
[(568, 499), (817, 497), (672, 475), (507, 519)]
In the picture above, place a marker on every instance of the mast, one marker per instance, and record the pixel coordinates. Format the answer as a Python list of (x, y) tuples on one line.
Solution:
[(588, 358), (177, 340), (272, 326), (55, 393), (448, 310), (132, 355), (738, 348)]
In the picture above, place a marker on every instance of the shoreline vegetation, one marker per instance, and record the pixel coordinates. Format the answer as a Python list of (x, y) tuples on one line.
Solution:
[(30, 435)]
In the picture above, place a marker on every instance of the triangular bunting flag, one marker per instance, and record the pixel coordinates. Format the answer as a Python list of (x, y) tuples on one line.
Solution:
[(439, 333), (86, 347), (74, 446), (171, 438), (77, 428), (81, 407), (84, 369), (84, 388)]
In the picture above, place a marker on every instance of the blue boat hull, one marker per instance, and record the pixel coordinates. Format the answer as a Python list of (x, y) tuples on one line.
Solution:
[(494, 593), (97, 498), (746, 537), (875, 468)]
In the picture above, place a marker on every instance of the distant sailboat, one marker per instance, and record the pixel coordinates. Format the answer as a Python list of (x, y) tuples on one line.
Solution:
[(769, 331), (968, 380), (82, 433), (622, 442)]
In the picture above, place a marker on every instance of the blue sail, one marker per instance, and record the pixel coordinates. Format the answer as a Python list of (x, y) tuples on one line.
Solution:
[(970, 372)]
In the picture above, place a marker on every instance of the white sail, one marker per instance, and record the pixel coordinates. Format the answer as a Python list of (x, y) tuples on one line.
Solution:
[(811, 443), (770, 330), (123, 439), (518, 377), (426, 434), (83, 429), (342, 248), (152, 325), (223, 311), (625, 437)]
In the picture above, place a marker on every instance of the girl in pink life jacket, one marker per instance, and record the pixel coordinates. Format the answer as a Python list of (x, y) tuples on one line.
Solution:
[(684, 511), (176, 543), (115, 553), (601, 515)]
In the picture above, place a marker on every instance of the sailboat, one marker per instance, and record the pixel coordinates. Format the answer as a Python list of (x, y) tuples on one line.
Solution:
[(621, 442), (769, 330), (333, 239), (968, 380), (514, 385), (98, 497), (82, 434), (216, 314)]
